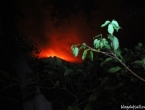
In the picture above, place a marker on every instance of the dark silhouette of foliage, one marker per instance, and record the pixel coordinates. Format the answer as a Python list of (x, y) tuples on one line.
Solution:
[(134, 8), (67, 85), (89, 85), (12, 43), (62, 10)]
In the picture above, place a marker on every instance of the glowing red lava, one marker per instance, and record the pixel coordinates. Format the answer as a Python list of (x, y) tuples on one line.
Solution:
[(59, 44)]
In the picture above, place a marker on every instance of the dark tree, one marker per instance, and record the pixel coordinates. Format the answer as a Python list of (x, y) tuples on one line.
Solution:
[(16, 52), (62, 10), (135, 8)]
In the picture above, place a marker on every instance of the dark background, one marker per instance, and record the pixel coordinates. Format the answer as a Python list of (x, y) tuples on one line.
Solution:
[(55, 25), (56, 40)]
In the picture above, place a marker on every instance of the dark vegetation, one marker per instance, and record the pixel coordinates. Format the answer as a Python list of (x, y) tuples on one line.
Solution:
[(65, 84), (89, 85), (86, 85)]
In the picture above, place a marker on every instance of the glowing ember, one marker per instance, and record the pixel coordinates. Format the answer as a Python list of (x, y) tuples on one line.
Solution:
[(59, 44)]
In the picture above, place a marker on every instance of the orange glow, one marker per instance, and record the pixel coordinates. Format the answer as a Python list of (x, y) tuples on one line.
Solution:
[(53, 41), (59, 44)]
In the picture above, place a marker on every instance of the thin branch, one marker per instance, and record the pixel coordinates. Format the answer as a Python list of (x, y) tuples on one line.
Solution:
[(130, 70), (10, 99), (68, 91), (115, 57), (100, 51), (24, 85)]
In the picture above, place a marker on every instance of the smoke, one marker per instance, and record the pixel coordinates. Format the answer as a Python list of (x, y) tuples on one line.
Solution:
[(55, 41), (59, 41)]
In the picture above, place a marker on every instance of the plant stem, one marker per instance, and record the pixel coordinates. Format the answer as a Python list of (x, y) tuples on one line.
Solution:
[(115, 57), (130, 70)]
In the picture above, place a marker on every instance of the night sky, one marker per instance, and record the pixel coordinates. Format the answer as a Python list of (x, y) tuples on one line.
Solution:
[(56, 41)]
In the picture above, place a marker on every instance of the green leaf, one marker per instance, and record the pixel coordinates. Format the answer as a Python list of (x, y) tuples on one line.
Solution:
[(115, 43), (134, 79), (58, 62), (104, 41), (97, 43), (91, 55), (84, 54), (67, 72), (138, 62), (101, 45), (110, 29), (119, 85), (57, 83), (93, 97), (106, 23), (70, 108), (114, 69), (107, 46), (104, 81), (115, 25), (76, 51), (89, 106), (82, 47), (126, 49), (143, 60), (138, 48), (111, 37), (106, 60), (84, 44), (140, 44), (50, 60), (118, 53)]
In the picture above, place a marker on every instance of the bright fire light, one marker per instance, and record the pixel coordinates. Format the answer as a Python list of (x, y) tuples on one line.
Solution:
[(59, 44)]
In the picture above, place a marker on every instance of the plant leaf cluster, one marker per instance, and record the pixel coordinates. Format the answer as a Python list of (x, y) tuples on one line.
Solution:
[(101, 43), (113, 52), (89, 85)]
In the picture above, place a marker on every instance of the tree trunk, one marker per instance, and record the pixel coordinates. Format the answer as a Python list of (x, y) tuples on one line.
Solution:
[(32, 98)]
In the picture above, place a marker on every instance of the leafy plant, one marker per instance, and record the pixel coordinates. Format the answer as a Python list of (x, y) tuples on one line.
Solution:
[(88, 86), (112, 47)]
